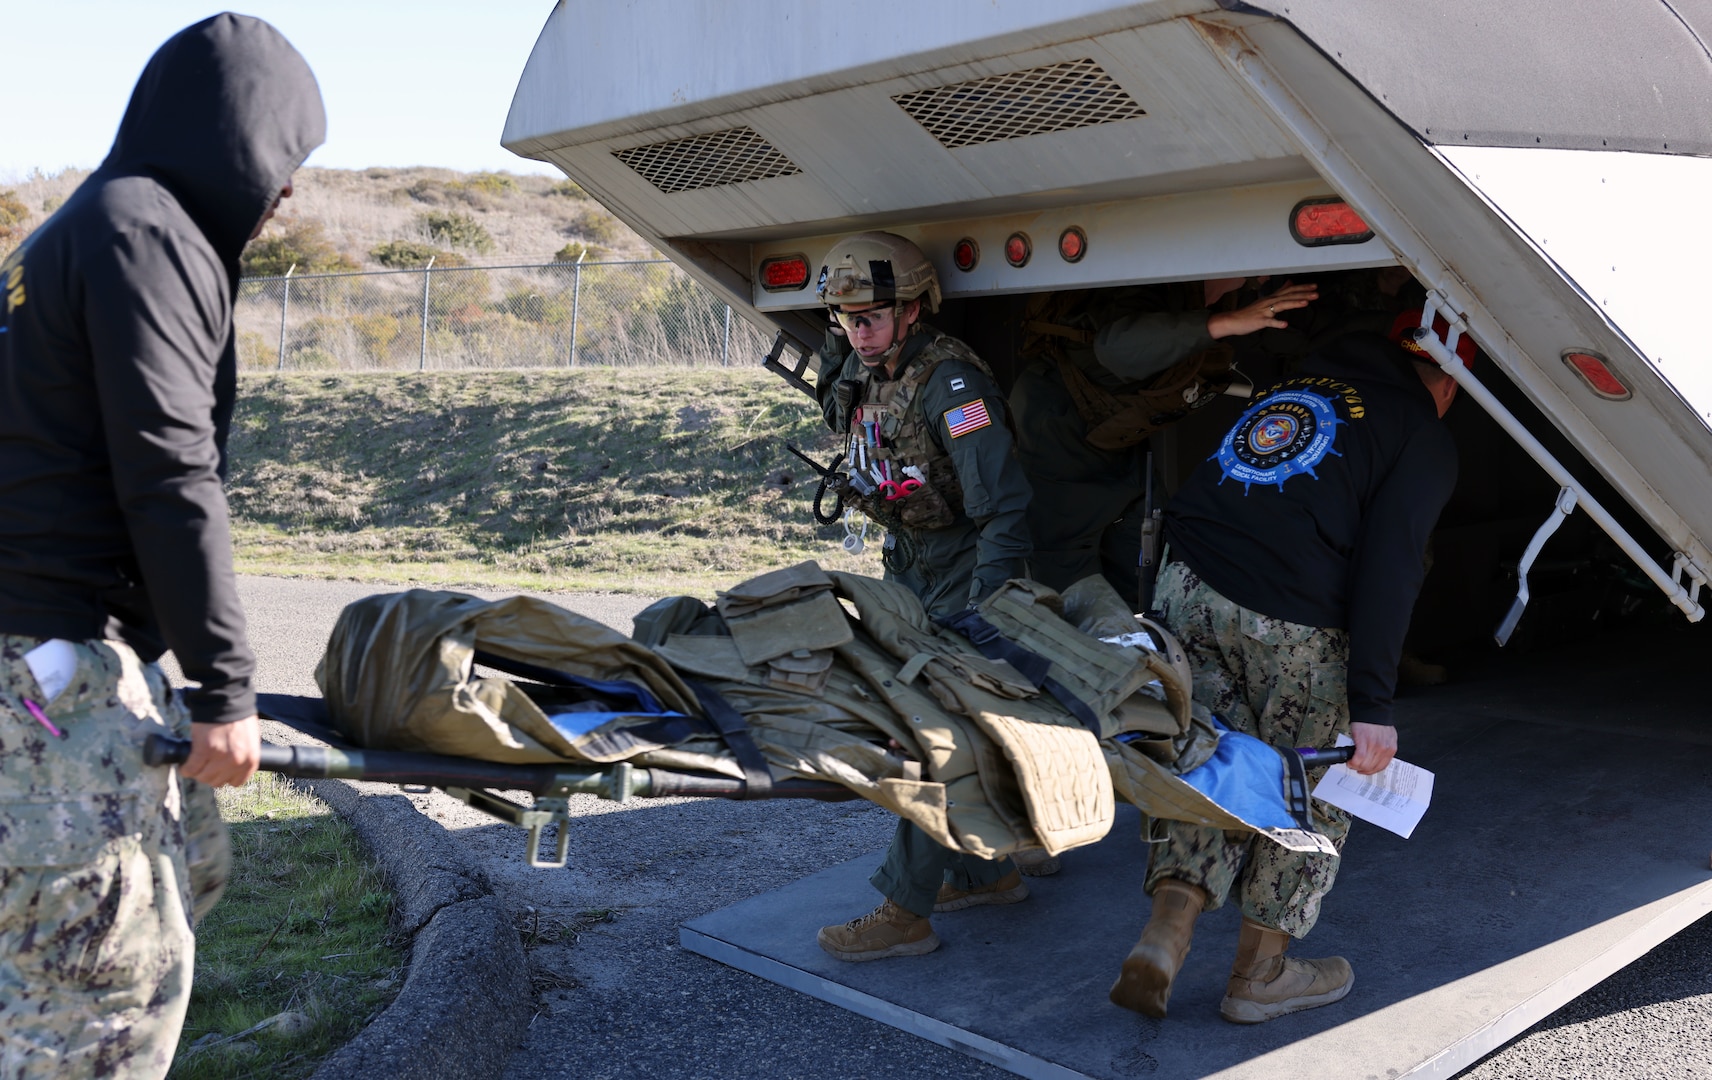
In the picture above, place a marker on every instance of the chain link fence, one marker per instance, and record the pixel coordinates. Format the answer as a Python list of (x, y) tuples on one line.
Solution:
[(539, 316)]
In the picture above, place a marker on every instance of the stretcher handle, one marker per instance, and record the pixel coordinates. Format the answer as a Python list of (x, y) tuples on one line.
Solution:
[(166, 750), (1314, 759), (439, 770)]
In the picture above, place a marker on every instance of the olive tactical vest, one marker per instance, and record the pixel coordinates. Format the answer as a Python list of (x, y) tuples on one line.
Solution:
[(888, 440), (1120, 418)]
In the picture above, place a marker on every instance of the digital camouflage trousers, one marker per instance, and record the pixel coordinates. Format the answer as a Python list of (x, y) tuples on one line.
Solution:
[(104, 863), (1279, 681)]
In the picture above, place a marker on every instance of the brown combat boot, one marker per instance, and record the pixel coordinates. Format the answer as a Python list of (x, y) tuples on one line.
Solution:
[(888, 930), (1007, 890), (1265, 984), (1144, 985)]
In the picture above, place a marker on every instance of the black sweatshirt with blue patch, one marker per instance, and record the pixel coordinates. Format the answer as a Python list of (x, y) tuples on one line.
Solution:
[(1317, 506)]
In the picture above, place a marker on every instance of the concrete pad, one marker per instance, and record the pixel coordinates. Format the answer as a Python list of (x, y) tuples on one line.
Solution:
[(1569, 834)]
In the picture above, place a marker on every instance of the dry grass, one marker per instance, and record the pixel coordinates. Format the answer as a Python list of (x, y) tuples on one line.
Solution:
[(529, 217), (631, 480)]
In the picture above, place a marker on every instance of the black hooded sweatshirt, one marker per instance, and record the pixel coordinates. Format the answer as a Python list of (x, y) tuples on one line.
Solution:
[(118, 367), (1317, 506)]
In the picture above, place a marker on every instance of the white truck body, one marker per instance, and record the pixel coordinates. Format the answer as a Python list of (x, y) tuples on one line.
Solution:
[(772, 128), (1539, 166)]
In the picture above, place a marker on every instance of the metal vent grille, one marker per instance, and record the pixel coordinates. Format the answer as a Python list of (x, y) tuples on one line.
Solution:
[(703, 161), (1058, 97)]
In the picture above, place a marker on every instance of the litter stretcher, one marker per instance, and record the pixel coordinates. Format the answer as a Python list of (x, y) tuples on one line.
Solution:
[(1014, 726)]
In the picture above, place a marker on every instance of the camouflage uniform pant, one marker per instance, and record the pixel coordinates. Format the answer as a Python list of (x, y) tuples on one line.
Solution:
[(1279, 681), (96, 889)]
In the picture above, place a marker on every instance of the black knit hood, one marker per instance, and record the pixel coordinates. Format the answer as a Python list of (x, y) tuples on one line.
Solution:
[(238, 76)]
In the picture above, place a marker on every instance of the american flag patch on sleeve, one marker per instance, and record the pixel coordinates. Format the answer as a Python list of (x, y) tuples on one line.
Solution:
[(966, 418)]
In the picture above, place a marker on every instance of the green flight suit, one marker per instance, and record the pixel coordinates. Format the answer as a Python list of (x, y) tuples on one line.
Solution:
[(1086, 516), (950, 567), (987, 541)]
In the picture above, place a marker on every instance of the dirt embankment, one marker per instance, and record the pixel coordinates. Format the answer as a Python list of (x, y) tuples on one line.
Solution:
[(638, 479)]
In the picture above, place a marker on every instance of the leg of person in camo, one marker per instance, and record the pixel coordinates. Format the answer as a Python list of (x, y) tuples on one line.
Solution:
[(104, 863), (1284, 683)]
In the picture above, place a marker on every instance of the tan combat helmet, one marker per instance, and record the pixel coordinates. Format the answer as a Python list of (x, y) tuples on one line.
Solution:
[(874, 267)]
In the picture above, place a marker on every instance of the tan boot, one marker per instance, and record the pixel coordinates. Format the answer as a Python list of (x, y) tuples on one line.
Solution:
[(888, 930), (1035, 862), (1264, 983), (1007, 890), (1144, 986)]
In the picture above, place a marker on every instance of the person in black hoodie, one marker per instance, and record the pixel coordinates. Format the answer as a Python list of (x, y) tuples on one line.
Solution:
[(1294, 557), (117, 376)]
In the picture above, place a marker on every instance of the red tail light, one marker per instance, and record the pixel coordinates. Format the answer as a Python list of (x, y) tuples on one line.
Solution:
[(784, 273), (1328, 220), (1072, 244), (1591, 367), (966, 254), (1018, 249)]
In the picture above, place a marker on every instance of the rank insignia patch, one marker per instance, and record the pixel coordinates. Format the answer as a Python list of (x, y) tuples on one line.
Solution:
[(957, 383), (966, 418)]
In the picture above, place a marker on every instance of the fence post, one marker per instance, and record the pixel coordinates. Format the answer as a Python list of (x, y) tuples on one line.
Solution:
[(725, 341), (422, 358), (576, 301), (284, 306)]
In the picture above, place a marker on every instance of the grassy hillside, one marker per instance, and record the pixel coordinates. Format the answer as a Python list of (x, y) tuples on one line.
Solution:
[(378, 218), (634, 479)]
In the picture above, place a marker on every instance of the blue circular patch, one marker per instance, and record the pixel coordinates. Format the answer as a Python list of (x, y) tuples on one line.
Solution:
[(1284, 435)]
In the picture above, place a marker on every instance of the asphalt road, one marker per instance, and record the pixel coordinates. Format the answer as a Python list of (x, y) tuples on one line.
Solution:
[(620, 999)]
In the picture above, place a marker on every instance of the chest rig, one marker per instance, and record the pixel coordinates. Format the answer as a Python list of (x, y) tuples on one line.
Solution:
[(1119, 418), (894, 472)]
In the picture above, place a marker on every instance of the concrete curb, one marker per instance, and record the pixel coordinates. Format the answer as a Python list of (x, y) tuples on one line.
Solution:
[(466, 1001)]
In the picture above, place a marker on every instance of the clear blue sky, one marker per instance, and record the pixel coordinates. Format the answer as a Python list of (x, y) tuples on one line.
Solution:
[(407, 82)]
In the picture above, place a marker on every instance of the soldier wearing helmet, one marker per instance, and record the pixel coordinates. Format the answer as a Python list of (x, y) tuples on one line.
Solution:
[(928, 455)]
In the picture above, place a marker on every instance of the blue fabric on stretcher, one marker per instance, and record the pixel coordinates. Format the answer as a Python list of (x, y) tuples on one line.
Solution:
[(573, 724), (618, 698), (1246, 777)]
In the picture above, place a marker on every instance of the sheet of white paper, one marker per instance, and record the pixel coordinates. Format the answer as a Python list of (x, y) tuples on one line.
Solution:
[(53, 663), (1137, 639), (1394, 799)]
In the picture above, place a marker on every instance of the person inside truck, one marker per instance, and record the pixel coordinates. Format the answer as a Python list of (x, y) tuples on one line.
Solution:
[(928, 456), (1107, 370), (1293, 560)]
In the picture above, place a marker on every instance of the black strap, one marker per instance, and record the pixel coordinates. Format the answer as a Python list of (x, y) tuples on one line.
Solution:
[(994, 645), (758, 779), (1296, 789)]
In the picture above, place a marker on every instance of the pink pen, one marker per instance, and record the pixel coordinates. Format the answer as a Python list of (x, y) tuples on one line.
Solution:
[(42, 718)]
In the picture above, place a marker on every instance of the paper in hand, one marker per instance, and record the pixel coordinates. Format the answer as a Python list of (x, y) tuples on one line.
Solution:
[(1394, 798)]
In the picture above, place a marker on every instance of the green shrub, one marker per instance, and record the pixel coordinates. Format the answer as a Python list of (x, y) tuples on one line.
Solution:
[(256, 352), (493, 183), (568, 189), (412, 255), (587, 252), (543, 308), (13, 213), (12, 209), (455, 230), (597, 226), (377, 333), (293, 243)]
